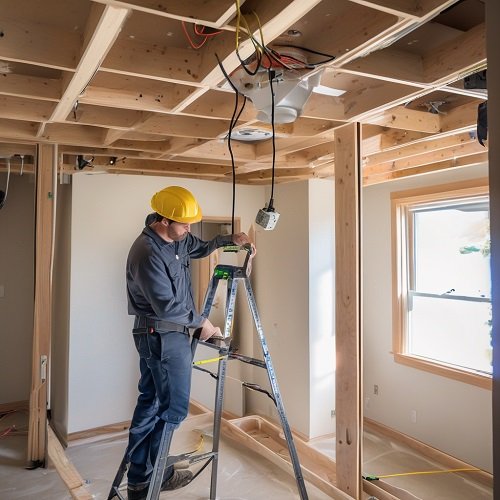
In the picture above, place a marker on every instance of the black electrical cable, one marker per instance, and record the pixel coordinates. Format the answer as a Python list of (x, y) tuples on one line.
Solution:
[(224, 72), (306, 50), (232, 123), (271, 200)]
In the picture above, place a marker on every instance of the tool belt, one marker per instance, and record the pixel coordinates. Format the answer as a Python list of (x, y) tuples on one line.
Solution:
[(143, 324)]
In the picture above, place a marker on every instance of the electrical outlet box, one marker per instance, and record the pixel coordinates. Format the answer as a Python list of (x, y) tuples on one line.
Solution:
[(375, 390), (413, 416)]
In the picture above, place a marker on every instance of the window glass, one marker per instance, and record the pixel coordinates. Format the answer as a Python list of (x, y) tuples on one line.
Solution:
[(448, 298)]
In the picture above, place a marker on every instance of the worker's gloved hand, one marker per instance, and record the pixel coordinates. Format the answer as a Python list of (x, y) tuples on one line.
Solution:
[(241, 239), (208, 330)]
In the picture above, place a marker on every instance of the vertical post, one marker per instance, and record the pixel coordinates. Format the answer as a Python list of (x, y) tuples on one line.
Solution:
[(46, 172), (347, 310), (493, 44)]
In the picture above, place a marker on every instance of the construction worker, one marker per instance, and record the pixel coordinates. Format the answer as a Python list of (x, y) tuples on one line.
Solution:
[(161, 299)]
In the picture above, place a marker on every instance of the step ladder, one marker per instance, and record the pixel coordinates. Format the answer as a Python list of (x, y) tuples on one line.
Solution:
[(232, 275)]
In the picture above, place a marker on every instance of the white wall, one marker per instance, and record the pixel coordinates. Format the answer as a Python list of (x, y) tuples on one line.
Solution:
[(281, 273), (452, 416), (17, 226), (321, 306), (295, 280), (108, 213), (60, 313)]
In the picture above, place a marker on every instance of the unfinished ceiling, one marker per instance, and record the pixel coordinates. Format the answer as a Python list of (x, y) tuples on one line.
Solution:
[(119, 86)]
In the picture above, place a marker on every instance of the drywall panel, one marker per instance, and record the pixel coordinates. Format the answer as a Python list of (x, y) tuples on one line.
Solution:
[(60, 313), (321, 306), (452, 416), (108, 213), (283, 301), (16, 287)]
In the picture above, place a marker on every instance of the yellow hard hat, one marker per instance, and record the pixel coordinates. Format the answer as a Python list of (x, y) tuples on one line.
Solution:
[(176, 203)]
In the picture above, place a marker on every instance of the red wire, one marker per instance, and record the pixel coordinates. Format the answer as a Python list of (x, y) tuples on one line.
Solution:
[(202, 33), (196, 47)]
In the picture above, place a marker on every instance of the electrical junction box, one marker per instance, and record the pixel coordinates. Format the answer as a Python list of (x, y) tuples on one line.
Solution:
[(267, 218)]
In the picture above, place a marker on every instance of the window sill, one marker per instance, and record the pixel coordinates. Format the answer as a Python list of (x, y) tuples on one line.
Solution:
[(483, 381)]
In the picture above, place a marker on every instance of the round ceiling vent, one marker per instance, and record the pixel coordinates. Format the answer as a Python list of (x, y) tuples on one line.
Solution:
[(250, 134)]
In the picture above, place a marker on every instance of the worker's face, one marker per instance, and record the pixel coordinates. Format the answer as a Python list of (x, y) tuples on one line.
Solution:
[(177, 231)]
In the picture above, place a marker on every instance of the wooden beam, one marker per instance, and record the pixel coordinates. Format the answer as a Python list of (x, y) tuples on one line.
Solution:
[(390, 64), (184, 126), (400, 8), (17, 129), (418, 148), (144, 60), (17, 108), (461, 118), (100, 41), (348, 380), (456, 58), (407, 119), (46, 180), (33, 43), (213, 13), (424, 158), (465, 161), (66, 469), (33, 87), (273, 25)]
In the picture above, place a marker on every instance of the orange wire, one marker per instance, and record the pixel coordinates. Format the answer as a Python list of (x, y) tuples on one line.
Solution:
[(196, 47)]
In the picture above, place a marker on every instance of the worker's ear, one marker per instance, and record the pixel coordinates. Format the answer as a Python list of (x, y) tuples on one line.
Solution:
[(165, 222)]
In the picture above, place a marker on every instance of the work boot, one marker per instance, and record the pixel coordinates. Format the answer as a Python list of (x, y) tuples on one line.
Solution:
[(179, 479)]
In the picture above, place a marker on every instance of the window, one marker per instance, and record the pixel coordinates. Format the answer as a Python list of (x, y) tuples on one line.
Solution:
[(442, 288)]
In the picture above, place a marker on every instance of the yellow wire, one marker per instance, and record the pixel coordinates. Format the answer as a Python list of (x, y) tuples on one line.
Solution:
[(238, 20), (205, 361), (428, 472)]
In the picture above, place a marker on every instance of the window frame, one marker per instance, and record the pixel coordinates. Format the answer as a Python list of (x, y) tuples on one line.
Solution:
[(401, 236)]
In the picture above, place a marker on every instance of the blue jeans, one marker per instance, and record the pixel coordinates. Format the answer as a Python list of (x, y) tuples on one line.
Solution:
[(164, 387)]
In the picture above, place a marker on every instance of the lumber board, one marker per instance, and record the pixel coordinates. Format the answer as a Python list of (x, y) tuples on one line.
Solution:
[(66, 470), (348, 377), (42, 325)]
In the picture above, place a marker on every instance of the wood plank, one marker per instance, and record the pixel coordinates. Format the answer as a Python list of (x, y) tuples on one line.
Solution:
[(465, 161), (213, 13), (400, 8), (168, 64), (348, 379), (434, 156), (218, 104), (134, 93), (273, 25), (261, 436), (17, 129), (46, 180), (66, 469), (33, 87), (184, 126), (391, 64), (17, 108), (464, 54), (100, 116), (461, 118), (100, 39), (417, 148), (407, 119), (14, 406), (33, 43)]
